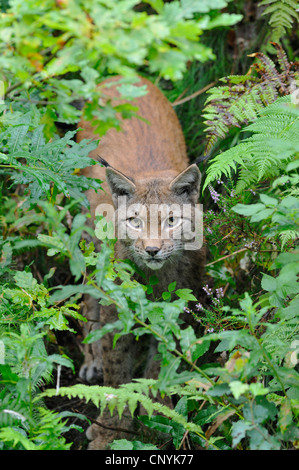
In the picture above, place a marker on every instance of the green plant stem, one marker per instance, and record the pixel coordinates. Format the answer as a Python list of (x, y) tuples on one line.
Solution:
[(176, 351), (182, 356)]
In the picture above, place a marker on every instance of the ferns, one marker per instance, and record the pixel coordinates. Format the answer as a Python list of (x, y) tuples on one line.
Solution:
[(283, 13), (126, 395), (259, 156), (243, 97)]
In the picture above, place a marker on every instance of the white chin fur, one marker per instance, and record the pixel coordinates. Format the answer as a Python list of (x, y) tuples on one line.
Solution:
[(154, 264)]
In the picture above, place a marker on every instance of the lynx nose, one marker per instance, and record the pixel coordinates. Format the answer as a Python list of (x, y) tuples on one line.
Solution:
[(152, 250)]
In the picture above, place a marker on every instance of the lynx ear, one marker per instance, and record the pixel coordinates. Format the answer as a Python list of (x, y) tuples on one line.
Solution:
[(119, 184), (187, 183)]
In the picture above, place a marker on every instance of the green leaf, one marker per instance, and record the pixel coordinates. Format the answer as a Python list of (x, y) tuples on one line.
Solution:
[(17, 436), (260, 439), (268, 201), (258, 389), (95, 335), (202, 346), (238, 388), (248, 209), (166, 295), (153, 280), (159, 423), (269, 283), (239, 430), (188, 341), (121, 444), (172, 286), (285, 415), (185, 294), (157, 5), (262, 215)]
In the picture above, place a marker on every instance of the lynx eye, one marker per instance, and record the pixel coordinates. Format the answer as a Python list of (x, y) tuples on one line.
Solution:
[(135, 223), (172, 221)]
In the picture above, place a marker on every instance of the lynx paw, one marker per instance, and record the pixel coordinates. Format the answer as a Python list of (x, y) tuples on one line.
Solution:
[(112, 428), (91, 371)]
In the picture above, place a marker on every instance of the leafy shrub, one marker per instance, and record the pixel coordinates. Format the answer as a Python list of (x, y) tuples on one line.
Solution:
[(75, 44)]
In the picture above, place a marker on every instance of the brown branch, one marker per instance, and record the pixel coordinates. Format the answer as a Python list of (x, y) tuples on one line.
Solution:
[(107, 427), (227, 256), (190, 97)]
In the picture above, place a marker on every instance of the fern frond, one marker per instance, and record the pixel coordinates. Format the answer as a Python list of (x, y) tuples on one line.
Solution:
[(277, 340), (259, 157), (116, 398), (283, 13), (287, 236), (16, 437), (243, 97)]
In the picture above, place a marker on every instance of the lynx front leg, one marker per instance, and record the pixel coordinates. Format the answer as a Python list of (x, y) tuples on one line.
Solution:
[(117, 366), (91, 370)]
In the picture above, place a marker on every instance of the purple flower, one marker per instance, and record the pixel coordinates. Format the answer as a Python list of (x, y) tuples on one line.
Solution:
[(219, 292), (208, 290), (214, 195), (209, 230), (210, 330), (199, 306)]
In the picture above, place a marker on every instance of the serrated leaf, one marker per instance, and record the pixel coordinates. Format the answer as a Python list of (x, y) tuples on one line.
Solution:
[(239, 430), (185, 294), (238, 388)]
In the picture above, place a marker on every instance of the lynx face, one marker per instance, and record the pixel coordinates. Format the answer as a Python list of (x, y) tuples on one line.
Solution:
[(155, 218), (152, 232)]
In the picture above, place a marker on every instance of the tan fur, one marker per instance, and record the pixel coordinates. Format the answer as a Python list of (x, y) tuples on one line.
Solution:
[(154, 161), (140, 150)]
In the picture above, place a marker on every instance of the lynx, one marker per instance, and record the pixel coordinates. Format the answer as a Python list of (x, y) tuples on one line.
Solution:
[(146, 166)]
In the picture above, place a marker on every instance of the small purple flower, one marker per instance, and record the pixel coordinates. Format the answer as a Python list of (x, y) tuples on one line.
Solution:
[(186, 310), (199, 306), (219, 292), (214, 195), (209, 230), (208, 290), (232, 193), (210, 330)]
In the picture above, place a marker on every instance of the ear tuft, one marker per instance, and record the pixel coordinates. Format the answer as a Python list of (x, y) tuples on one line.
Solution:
[(119, 184), (187, 183)]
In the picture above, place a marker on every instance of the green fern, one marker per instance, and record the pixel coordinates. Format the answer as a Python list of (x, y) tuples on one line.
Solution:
[(278, 339), (283, 13), (258, 156), (243, 97), (126, 395)]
